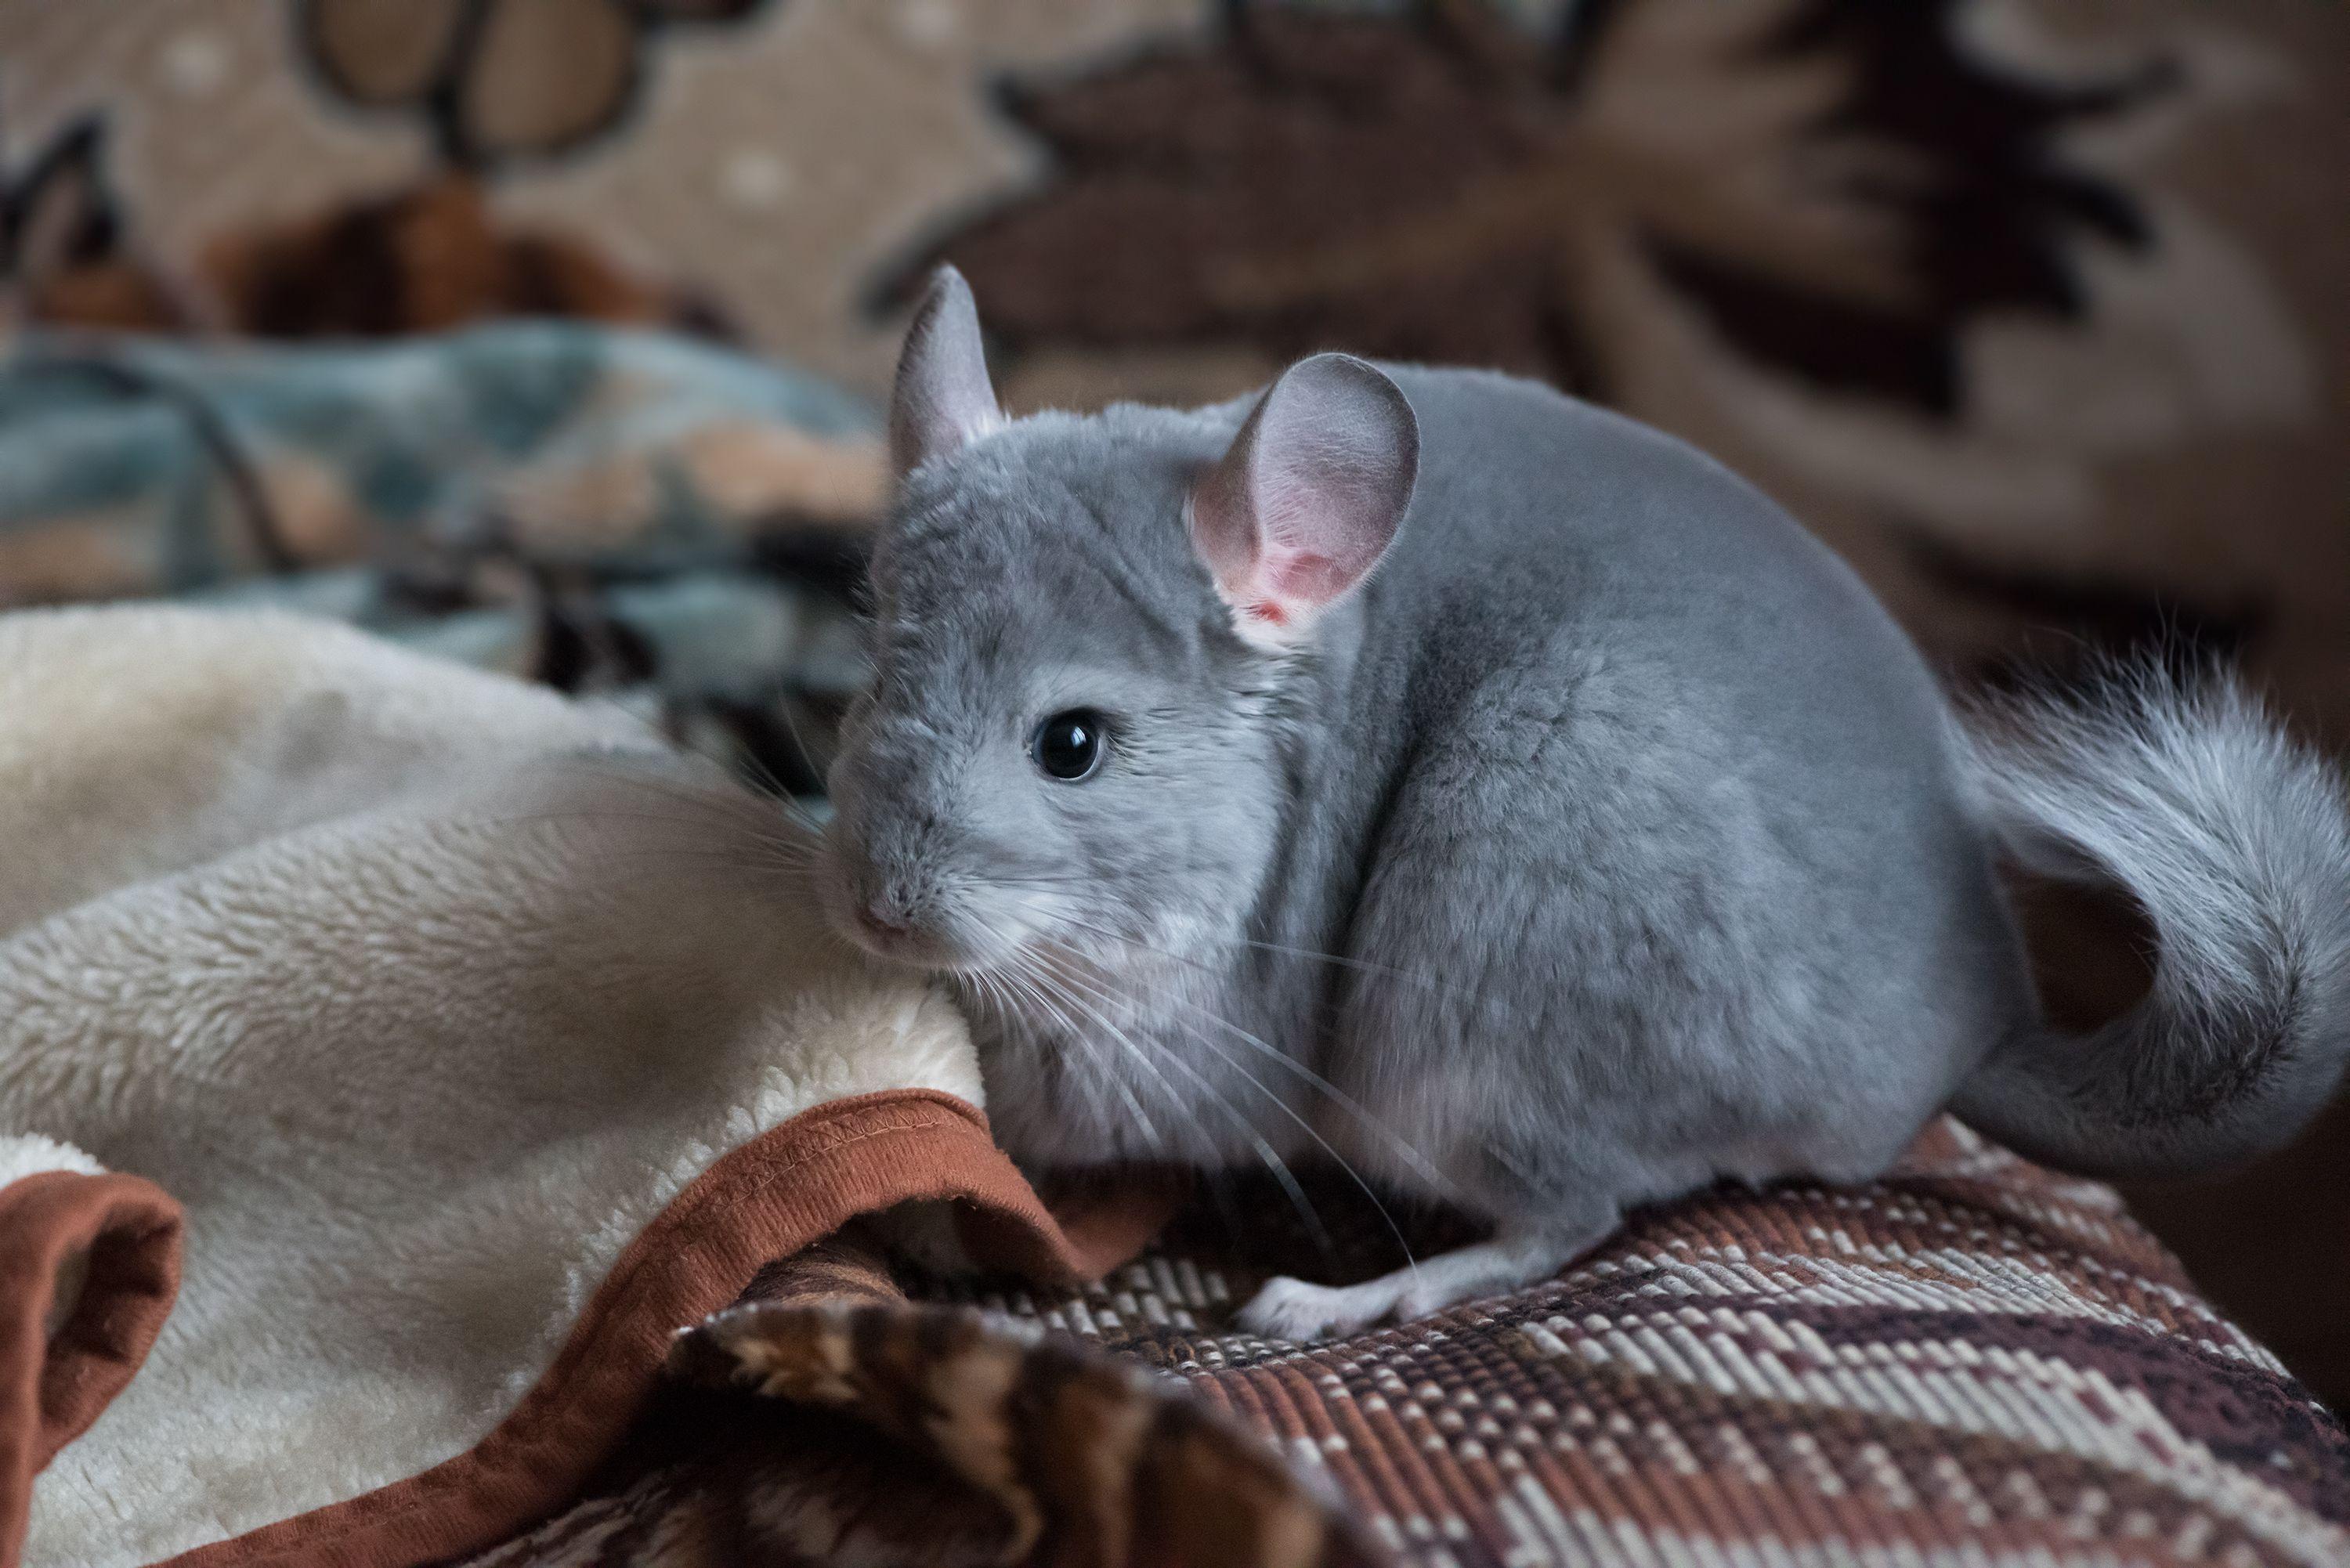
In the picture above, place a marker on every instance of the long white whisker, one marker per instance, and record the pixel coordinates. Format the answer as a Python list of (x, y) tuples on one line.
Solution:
[(1028, 986), (1352, 1107), (799, 744), (1279, 1103), (789, 844), (757, 853), (734, 806), (1264, 1151), (1362, 966), (1061, 1000)]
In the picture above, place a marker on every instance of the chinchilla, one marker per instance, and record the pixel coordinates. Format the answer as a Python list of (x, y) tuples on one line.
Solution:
[(1423, 769)]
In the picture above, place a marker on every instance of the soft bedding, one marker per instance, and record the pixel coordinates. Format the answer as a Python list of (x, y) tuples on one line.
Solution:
[(452, 1045)]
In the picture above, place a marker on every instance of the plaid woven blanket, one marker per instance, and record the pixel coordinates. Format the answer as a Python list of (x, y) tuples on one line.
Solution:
[(1972, 1362)]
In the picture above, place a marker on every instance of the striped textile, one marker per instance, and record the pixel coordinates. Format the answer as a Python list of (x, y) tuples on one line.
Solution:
[(1973, 1362)]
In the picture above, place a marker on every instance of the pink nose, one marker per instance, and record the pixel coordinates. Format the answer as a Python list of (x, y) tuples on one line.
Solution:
[(886, 927)]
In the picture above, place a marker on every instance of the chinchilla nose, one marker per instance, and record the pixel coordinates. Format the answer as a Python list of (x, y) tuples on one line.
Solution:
[(887, 912), (884, 920)]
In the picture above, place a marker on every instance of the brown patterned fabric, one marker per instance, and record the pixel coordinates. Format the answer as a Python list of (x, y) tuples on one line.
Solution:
[(1972, 1362), (934, 1434)]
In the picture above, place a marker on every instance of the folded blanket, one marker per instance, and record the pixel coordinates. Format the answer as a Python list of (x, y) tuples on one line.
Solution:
[(478, 1043)]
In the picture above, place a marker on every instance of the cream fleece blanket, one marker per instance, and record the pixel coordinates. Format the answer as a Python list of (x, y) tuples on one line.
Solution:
[(426, 994)]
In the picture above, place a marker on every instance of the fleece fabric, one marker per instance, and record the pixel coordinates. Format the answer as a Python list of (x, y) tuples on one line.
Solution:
[(478, 1043)]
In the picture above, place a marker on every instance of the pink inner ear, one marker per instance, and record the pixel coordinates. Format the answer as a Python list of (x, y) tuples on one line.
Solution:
[(1310, 493), (1287, 585), (1304, 575), (1272, 583)]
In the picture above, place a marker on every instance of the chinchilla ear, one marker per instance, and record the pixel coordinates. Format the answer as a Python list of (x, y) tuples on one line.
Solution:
[(1309, 496), (942, 399)]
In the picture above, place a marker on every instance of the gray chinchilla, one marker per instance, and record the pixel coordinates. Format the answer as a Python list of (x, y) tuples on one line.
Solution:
[(1422, 767)]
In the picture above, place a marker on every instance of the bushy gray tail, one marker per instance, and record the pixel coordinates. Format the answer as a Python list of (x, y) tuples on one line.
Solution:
[(2235, 842)]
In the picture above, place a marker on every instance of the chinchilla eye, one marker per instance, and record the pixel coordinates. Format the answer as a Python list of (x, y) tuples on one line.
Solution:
[(1070, 745)]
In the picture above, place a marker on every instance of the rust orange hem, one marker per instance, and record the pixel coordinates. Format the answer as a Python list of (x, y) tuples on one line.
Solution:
[(53, 1385), (780, 1192)]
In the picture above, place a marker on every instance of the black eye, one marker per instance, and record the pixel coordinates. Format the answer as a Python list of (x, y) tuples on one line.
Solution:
[(1070, 745)]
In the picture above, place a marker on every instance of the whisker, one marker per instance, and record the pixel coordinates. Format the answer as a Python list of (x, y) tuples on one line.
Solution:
[(1290, 1185), (761, 863), (733, 808), (1281, 1106), (1059, 1001), (1000, 989), (742, 761), (799, 742), (732, 804), (762, 779), (1352, 1107), (1028, 987), (753, 847), (1362, 966)]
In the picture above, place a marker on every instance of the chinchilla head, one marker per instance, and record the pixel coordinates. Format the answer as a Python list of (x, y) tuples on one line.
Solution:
[(1089, 632)]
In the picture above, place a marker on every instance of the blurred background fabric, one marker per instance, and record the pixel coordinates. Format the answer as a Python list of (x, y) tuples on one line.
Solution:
[(2037, 310)]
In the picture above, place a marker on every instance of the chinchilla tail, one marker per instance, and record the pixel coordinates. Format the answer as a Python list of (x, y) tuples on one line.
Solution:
[(2234, 841)]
